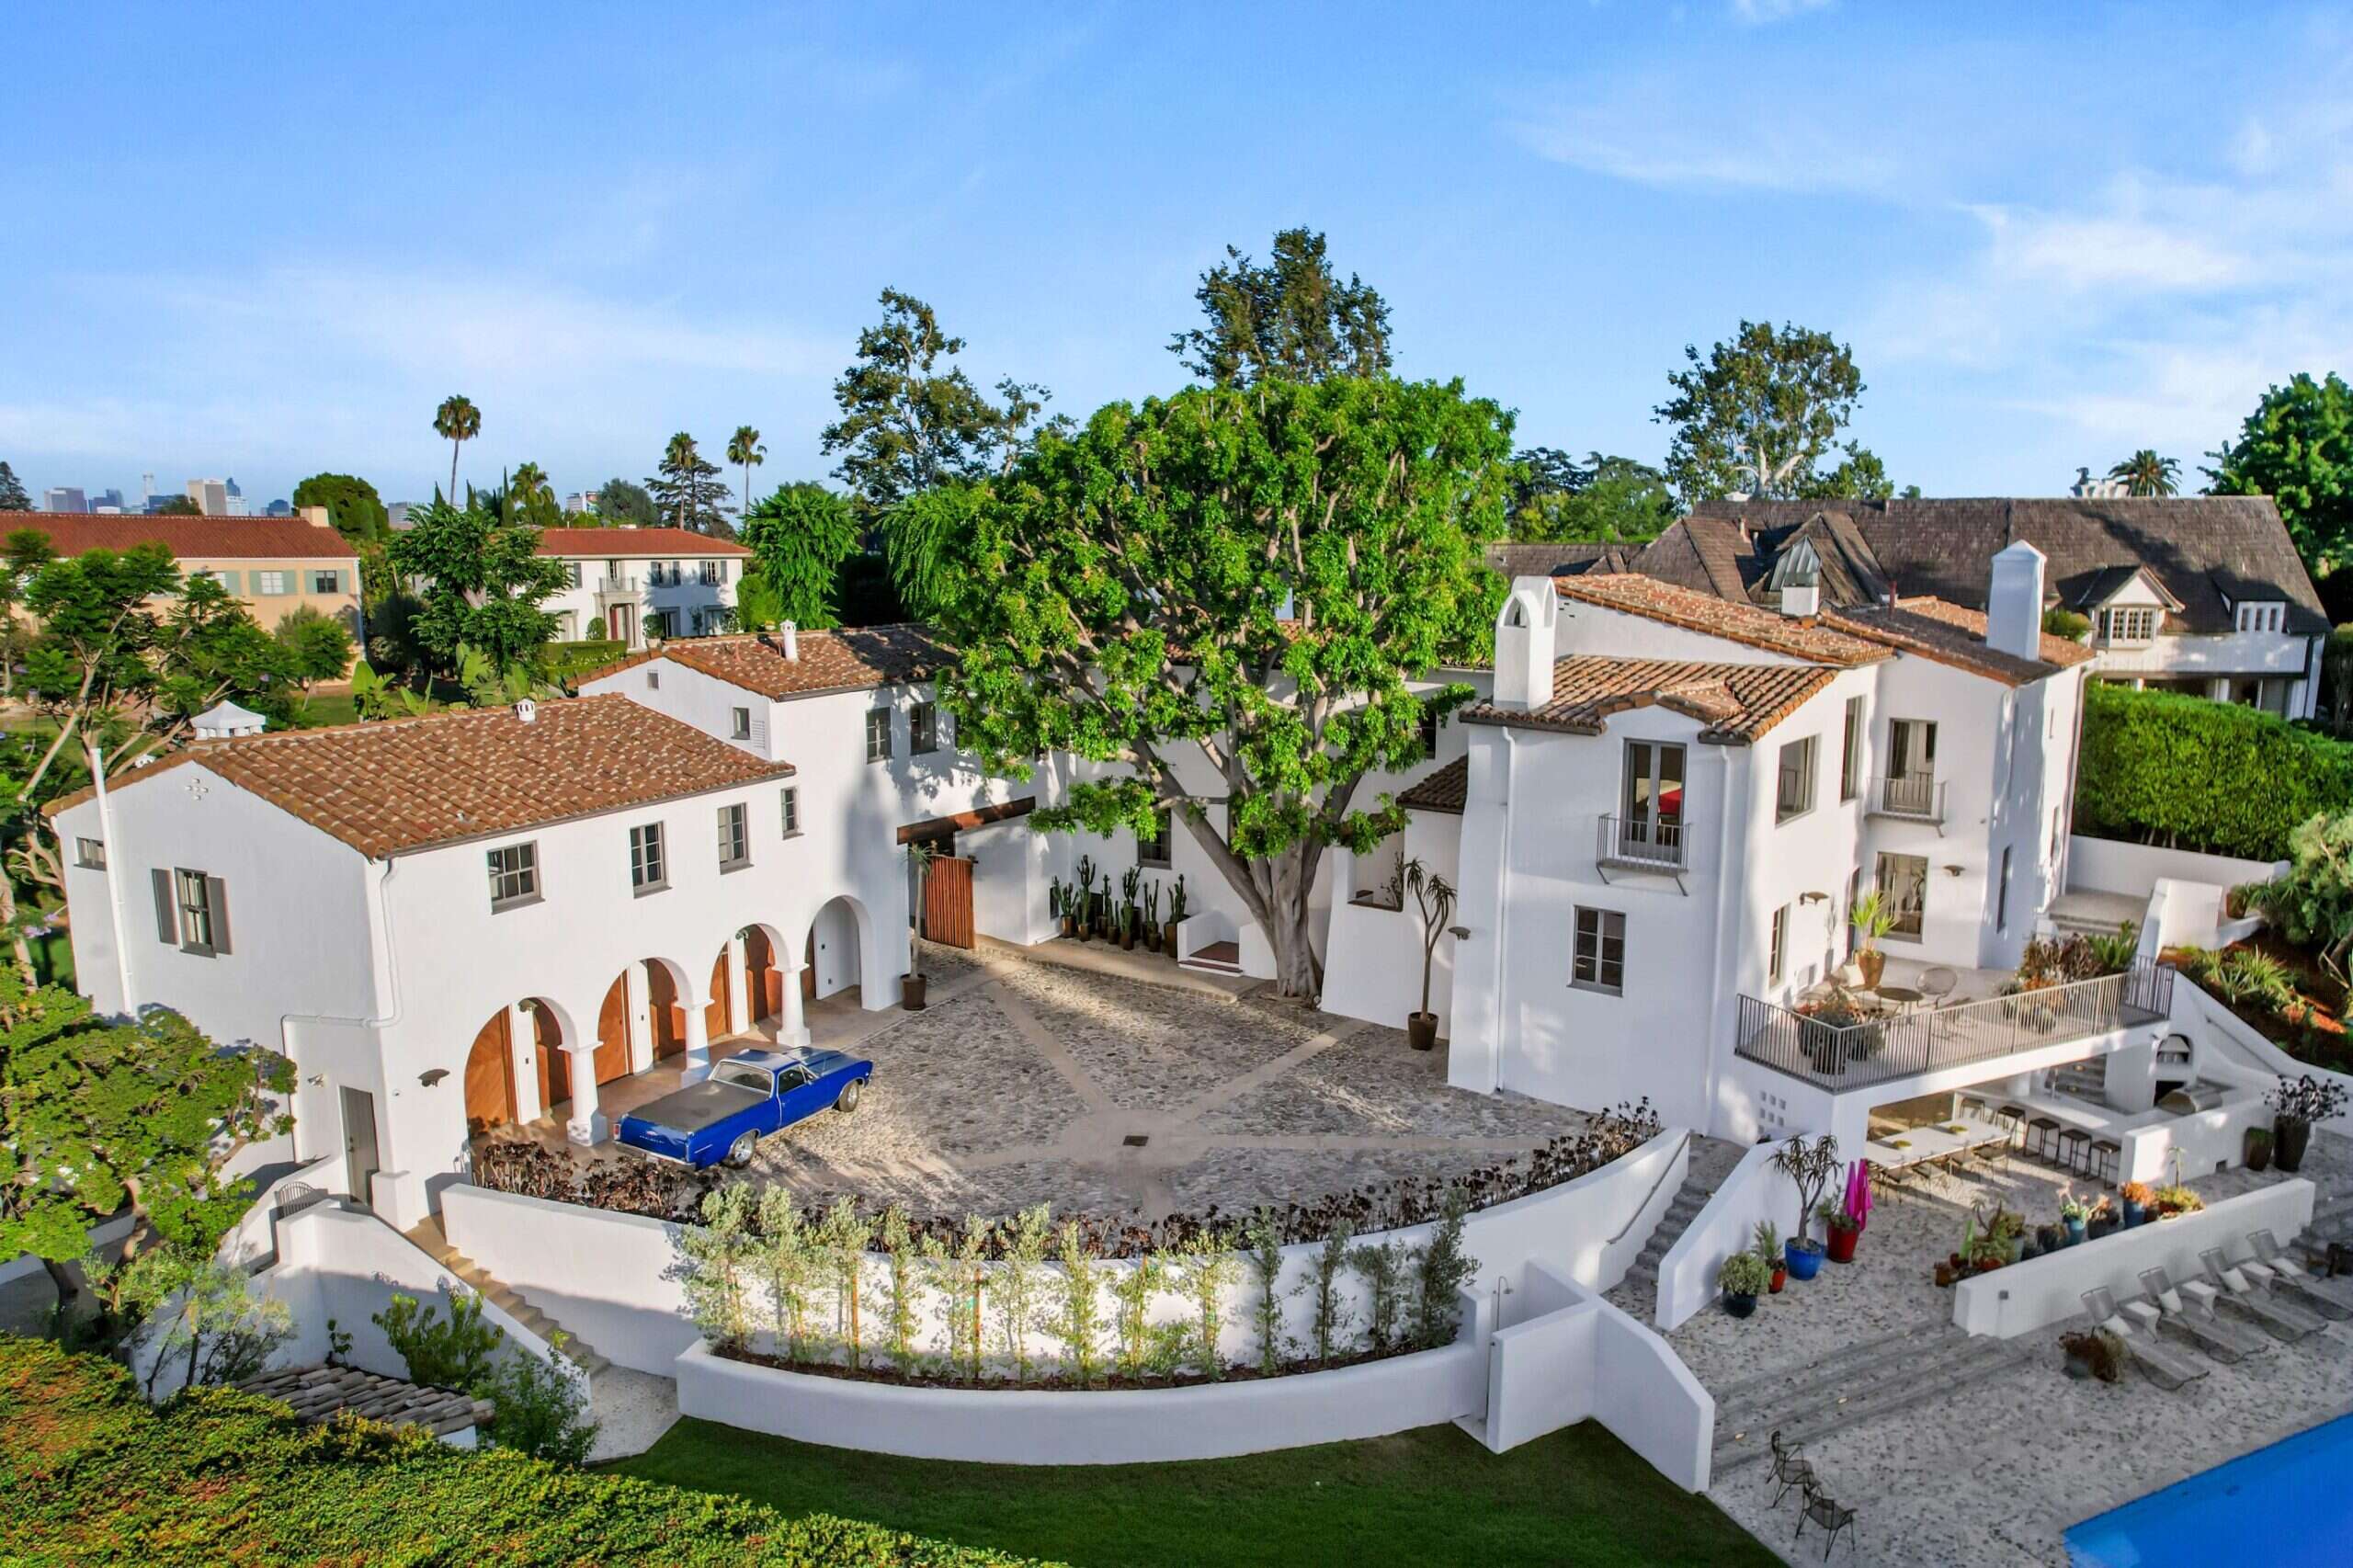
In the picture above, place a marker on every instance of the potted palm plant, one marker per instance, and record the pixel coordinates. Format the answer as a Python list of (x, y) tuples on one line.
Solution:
[(1810, 1164), (1434, 902), (1768, 1252), (1740, 1277), (910, 989), (1872, 918)]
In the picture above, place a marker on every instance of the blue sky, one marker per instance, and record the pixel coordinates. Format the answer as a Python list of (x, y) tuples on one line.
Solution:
[(267, 240)]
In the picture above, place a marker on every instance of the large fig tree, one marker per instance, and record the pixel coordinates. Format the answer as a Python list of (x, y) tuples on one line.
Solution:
[(1226, 591)]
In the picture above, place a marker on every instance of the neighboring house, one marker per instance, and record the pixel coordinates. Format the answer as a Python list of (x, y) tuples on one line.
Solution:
[(2202, 594), (1672, 802), (642, 583), (276, 565)]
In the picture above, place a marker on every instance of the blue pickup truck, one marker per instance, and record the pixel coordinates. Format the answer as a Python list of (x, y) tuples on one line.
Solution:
[(746, 1097)]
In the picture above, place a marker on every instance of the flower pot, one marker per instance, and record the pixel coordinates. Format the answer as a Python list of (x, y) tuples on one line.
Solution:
[(2134, 1213), (1070, 925), (1804, 1259), (2028, 1252), (2048, 1237), (1128, 940), (1739, 1306), (2079, 1367), (2288, 1141), (1943, 1275), (1168, 937), (1152, 938), (1421, 1030), (1873, 964), (2107, 1227), (1780, 1278), (2257, 1147), (2075, 1229), (1842, 1242), (910, 989)]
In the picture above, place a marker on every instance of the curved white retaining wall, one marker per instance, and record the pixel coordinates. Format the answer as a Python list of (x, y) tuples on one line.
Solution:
[(2111, 865), (2193, 1006), (1002, 1426), (2024, 1297), (1755, 1190), (613, 1279)]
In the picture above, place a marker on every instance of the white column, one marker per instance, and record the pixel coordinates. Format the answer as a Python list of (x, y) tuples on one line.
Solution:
[(697, 1043), (793, 1028), (739, 992), (637, 1018), (523, 1048), (588, 1125)]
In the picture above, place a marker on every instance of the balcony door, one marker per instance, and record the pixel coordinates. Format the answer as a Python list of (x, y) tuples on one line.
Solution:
[(1652, 817), (1903, 883), (1911, 765)]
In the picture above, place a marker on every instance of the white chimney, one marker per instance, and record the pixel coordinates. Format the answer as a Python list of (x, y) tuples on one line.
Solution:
[(1801, 592), (2014, 602), (526, 711), (791, 635), (316, 517), (1524, 635), (225, 718)]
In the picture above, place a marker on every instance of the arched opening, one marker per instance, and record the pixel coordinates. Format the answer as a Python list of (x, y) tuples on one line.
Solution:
[(664, 1012), (763, 981), (716, 1024), (490, 1075), (665, 1018), (612, 1031), (834, 954)]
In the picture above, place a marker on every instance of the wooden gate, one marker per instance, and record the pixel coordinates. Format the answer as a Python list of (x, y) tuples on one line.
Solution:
[(490, 1075), (612, 1034), (948, 902)]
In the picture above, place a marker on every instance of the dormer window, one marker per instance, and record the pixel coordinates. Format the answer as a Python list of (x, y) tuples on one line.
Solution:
[(2264, 616), (2128, 623)]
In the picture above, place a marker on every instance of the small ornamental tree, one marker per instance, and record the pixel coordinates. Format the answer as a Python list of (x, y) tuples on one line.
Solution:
[(1206, 1269), (1328, 1312), (459, 1352), (1445, 1269), (1224, 592), (1382, 1266), (716, 1259), (786, 1262), (841, 1239), (899, 1314), (1078, 1305), (1132, 1289), (1266, 1254), (1014, 1282), (1810, 1164)]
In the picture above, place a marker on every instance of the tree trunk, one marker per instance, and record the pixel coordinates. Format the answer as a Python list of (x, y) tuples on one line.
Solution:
[(67, 1279)]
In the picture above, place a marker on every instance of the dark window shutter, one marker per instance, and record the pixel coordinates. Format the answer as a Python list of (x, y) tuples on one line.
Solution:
[(216, 893), (167, 923)]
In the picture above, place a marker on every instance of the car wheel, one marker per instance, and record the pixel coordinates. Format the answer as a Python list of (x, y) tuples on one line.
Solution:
[(848, 1100), (739, 1152)]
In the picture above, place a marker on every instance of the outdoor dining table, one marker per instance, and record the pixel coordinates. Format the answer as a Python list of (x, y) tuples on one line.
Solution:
[(1934, 1142)]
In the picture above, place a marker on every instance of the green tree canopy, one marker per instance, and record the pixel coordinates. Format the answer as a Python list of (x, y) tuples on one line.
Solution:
[(457, 420), (1122, 595), (1760, 414), (318, 646), (2297, 447), (12, 492), (1291, 318), (799, 536), (481, 585), (2146, 473), (688, 491), (176, 506), (1604, 498), (620, 502), (352, 503)]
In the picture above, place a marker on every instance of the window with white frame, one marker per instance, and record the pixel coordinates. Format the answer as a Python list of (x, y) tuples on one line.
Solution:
[(90, 854), (197, 911), (1153, 849), (1793, 791), (270, 584), (734, 837), (739, 723), (514, 875), (790, 799), (2262, 617), (712, 572), (878, 735), (2128, 623), (1777, 950), (923, 729), (649, 869), (1904, 885), (1850, 752), (1600, 959), (572, 574)]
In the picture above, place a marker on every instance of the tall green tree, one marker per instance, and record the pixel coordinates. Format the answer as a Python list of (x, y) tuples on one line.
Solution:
[(176, 506), (318, 646), (26, 552), (798, 536), (744, 449), (98, 1116), (530, 499), (1859, 476), (688, 490), (1121, 594), (12, 492), (481, 585), (352, 503), (1603, 499), (924, 532), (2145, 474), (1760, 414), (2297, 447), (1291, 318), (457, 420), (620, 503)]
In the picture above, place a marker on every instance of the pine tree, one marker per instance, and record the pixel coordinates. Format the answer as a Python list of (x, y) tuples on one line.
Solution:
[(12, 492), (688, 490)]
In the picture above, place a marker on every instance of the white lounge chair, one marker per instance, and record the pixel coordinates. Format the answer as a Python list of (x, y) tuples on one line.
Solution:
[(2285, 1320), (2272, 1266), (2158, 1363), (2224, 1341)]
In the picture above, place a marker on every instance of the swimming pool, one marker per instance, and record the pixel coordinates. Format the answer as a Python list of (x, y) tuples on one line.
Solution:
[(2283, 1506)]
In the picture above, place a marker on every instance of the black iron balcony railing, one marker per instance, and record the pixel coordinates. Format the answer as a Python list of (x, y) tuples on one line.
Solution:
[(1917, 797), (1850, 1053), (1645, 842)]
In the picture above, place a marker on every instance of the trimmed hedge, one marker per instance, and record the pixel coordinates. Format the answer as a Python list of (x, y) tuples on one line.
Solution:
[(561, 660), (2165, 768), (90, 1475)]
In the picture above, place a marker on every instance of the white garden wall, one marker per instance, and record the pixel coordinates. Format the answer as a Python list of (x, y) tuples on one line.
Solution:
[(1755, 1190), (2024, 1297), (2109, 865), (608, 1278), (2214, 1028)]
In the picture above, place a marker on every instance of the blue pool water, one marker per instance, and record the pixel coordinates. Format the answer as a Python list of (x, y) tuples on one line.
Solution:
[(2283, 1506)]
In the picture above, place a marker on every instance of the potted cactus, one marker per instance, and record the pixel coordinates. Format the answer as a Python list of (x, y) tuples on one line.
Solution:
[(911, 988), (1128, 914), (1176, 914), (1086, 896), (1152, 937)]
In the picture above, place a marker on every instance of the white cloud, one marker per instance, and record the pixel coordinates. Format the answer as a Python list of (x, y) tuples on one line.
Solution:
[(1758, 13), (1653, 133), (2096, 250)]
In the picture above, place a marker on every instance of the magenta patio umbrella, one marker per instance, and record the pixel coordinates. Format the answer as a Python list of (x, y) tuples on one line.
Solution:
[(1858, 1192)]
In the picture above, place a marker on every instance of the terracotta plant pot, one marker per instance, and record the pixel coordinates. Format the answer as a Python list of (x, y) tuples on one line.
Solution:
[(1873, 964), (1780, 1278), (911, 988), (1168, 937), (1943, 1275), (1842, 1242), (1421, 1032)]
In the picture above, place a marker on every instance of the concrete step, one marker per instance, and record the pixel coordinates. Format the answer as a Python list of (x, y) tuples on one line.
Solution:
[(429, 1238), (1914, 1361), (1991, 1359)]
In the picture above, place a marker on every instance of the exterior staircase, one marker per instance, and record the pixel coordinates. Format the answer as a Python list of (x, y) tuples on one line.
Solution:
[(429, 1237), (2095, 913), (2086, 1081), (1860, 1383), (1711, 1161)]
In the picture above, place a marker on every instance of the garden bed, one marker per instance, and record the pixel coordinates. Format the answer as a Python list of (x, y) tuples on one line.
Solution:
[(2279, 991)]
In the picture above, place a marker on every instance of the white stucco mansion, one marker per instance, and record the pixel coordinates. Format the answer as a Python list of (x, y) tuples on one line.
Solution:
[(637, 582)]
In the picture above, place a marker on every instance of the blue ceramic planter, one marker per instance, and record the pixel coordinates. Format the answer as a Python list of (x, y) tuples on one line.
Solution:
[(1804, 1259), (2074, 1230), (2133, 1214)]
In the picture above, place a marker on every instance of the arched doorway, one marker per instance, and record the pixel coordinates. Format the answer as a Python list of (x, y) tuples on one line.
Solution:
[(715, 1021), (490, 1075), (763, 982), (612, 1031), (833, 961), (664, 1012), (666, 1016)]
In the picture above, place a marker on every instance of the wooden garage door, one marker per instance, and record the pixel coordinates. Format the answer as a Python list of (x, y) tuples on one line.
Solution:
[(714, 1015), (490, 1075), (612, 1034), (666, 1014), (948, 902)]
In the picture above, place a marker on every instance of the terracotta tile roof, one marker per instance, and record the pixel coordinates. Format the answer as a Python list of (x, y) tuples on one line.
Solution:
[(849, 659), (1737, 702), (624, 544), (1571, 558), (1736, 622), (1953, 635), (321, 1393), (188, 539), (407, 784), (1448, 789)]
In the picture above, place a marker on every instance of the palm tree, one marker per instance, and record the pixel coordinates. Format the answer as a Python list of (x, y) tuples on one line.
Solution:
[(529, 479), (747, 452), (457, 420), (2145, 474)]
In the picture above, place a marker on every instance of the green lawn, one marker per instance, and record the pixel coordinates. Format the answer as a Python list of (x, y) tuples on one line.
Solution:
[(1433, 1496)]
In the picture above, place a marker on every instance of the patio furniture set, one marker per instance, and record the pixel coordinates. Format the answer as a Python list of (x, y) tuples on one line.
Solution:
[(2270, 1294), (1816, 1506)]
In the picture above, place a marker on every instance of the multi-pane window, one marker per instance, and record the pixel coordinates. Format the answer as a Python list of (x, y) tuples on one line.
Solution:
[(792, 803), (740, 723), (923, 729), (1600, 959), (572, 574), (713, 574), (90, 854), (1903, 883), (878, 735), (2262, 617), (1153, 849), (1850, 752), (649, 870), (195, 894), (514, 875), (734, 837), (326, 580), (2129, 623), (1776, 952), (271, 583), (1793, 792), (1429, 732)]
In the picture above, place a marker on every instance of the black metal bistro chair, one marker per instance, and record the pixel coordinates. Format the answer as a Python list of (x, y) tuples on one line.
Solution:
[(1830, 1517), (1789, 1470)]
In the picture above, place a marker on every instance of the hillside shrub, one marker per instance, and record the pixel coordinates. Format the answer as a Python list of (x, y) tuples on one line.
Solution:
[(92, 1475), (2164, 768)]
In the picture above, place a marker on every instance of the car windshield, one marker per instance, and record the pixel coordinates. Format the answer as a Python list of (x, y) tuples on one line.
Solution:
[(742, 1076)]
